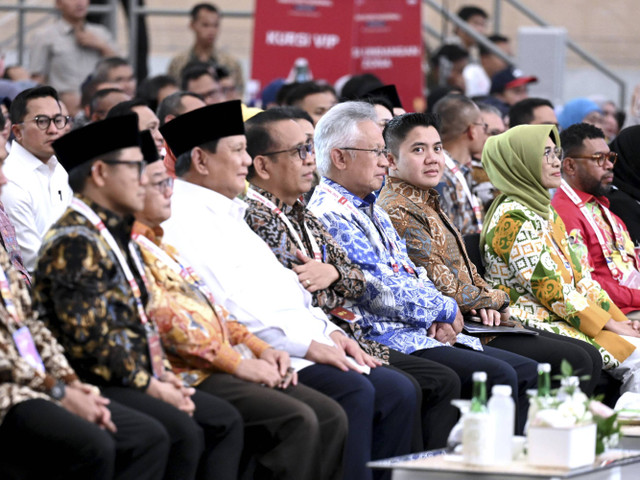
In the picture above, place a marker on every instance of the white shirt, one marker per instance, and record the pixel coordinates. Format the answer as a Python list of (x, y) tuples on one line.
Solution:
[(476, 80), (35, 196), (244, 275)]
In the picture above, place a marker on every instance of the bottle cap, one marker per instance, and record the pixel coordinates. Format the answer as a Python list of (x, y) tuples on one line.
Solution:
[(544, 368), (502, 390), (479, 376)]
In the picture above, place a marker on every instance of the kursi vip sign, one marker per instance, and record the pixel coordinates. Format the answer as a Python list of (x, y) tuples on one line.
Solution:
[(340, 37)]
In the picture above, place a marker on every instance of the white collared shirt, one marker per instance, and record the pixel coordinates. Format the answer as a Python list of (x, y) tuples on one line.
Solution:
[(35, 196), (244, 275)]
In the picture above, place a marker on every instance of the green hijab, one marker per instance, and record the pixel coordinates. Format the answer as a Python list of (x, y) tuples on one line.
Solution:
[(513, 162)]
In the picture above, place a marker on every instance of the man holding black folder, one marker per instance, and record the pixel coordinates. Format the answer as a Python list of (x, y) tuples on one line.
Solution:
[(416, 163)]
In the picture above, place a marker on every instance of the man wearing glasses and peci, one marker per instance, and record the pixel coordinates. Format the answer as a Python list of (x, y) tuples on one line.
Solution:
[(38, 192)]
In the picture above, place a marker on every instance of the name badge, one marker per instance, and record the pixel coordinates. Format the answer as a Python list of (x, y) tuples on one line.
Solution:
[(27, 348), (344, 314)]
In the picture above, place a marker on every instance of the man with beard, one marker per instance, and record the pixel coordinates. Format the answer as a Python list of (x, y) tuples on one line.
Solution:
[(587, 172)]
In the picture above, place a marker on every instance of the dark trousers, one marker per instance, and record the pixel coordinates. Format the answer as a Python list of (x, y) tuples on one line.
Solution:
[(206, 446), (39, 439), (551, 348), (294, 434), (439, 385), (380, 408), (502, 367)]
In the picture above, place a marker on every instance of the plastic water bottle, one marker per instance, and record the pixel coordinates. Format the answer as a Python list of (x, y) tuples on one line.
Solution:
[(503, 412), (477, 436)]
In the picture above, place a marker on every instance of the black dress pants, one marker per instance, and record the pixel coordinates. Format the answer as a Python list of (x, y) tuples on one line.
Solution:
[(502, 367), (294, 434), (205, 446), (551, 348), (39, 439), (439, 385), (380, 407)]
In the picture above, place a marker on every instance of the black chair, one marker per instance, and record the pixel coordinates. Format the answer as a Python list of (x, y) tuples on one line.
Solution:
[(472, 244)]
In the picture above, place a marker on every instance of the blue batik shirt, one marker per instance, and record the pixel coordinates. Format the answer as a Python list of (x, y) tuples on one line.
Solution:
[(400, 302)]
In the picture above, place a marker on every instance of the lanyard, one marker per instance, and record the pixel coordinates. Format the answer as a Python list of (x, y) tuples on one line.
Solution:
[(7, 297), (155, 349), (558, 251), (392, 246), (317, 253), (473, 200), (617, 233), (185, 271)]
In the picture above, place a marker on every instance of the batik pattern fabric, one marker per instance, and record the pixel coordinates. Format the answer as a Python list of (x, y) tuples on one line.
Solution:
[(532, 259), (197, 339), (81, 291), (399, 304), (10, 243), (454, 202), (434, 243), (628, 299), (19, 381), (347, 289)]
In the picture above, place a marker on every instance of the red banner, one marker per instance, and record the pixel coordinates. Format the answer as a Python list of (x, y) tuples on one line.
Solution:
[(340, 37)]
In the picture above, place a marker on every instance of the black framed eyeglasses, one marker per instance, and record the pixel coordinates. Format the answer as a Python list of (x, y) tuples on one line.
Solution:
[(303, 151), (557, 152), (43, 121), (140, 164), (163, 185), (378, 152), (600, 158)]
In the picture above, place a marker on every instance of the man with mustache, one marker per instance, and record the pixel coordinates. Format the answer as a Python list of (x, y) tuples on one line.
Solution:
[(587, 172)]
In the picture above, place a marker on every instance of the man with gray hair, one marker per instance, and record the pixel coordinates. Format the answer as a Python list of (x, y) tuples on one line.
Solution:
[(463, 133), (401, 307), (480, 185)]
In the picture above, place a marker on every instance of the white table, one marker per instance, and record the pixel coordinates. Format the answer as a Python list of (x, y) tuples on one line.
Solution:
[(436, 465)]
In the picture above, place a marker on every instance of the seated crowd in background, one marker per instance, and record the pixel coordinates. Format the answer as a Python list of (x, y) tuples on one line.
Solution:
[(193, 287)]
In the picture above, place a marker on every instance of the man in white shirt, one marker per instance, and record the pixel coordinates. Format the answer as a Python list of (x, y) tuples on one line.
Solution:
[(208, 228), (37, 192)]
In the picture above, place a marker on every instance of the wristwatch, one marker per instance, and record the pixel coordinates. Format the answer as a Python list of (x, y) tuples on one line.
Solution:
[(57, 392)]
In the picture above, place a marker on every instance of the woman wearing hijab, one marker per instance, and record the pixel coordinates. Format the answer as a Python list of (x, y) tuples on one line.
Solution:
[(625, 196), (528, 254)]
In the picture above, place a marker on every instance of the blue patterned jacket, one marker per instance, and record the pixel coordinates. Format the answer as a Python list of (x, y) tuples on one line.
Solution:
[(400, 302)]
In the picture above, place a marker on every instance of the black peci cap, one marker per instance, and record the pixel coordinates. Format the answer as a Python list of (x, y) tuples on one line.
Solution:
[(203, 125)]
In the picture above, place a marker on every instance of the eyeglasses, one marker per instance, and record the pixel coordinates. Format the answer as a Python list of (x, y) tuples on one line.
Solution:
[(485, 126), (140, 164), (163, 186), (303, 151), (557, 152), (378, 152), (600, 158), (43, 121)]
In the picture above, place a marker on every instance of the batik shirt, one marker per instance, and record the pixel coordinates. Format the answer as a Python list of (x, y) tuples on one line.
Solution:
[(533, 260), (434, 243), (81, 291), (348, 288), (628, 299), (197, 338), (454, 201), (400, 302), (19, 381)]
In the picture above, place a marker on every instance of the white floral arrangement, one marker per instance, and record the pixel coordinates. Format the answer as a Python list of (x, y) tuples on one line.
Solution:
[(570, 407)]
